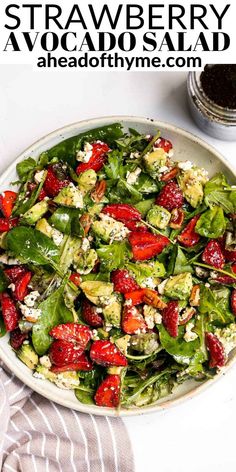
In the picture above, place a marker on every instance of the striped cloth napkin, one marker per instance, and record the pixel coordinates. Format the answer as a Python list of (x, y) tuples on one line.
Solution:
[(37, 435)]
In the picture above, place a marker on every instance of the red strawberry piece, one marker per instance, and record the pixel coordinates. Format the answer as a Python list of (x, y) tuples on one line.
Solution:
[(9, 312), (233, 301), (8, 223), (7, 202), (55, 181), (63, 352), (122, 212), (72, 332), (108, 392), (107, 354), (164, 144), (97, 160), (216, 350), (136, 296), (170, 318), (132, 321), (171, 174), (21, 286), (90, 314), (170, 196), (136, 226), (224, 279), (213, 255), (123, 281), (76, 279), (83, 363), (146, 245), (177, 218), (14, 273), (189, 237), (17, 338), (31, 186)]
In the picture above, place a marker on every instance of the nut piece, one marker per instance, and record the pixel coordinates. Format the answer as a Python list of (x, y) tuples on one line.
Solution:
[(152, 298), (170, 174), (186, 316), (86, 222), (194, 299), (177, 218), (98, 193)]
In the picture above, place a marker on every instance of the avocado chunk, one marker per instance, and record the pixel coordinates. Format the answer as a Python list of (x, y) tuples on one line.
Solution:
[(43, 226), (159, 217), (114, 370), (153, 161), (84, 262), (179, 286), (112, 313), (109, 229), (98, 292), (96, 209), (70, 197), (144, 342), (191, 183), (123, 343), (87, 181), (42, 372), (28, 356), (65, 380), (35, 213)]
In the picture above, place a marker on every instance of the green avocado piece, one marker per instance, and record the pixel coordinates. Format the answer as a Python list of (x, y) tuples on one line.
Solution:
[(70, 196), (179, 286), (66, 380), (45, 373), (123, 343), (192, 183), (159, 217), (153, 161), (109, 229), (84, 261), (35, 213), (43, 226), (87, 181), (112, 313), (144, 342), (97, 291), (28, 356)]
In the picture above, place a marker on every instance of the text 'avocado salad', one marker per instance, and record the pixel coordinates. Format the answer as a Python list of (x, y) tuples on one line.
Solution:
[(118, 268)]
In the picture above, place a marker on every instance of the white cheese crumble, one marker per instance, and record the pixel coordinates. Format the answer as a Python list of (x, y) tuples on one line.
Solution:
[(151, 316), (30, 299), (95, 336), (132, 177), (189, 334), (227, 337), (12, 287), (57, 237), (6, 259), (86, 154), (30, 314), (163, 169), (161, 287), (85, 244), (76, 196), (38, 176), (134, 155), (45, 362), (185, 165), (66, 383), (149, 282)]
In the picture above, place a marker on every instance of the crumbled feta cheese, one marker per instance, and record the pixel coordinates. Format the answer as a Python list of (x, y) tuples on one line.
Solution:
[(12, 287), (38, 176), (95, 336), (227, 337), (207, 285), (151, 316), (132, 177), (128, 302), (161, 286), (189, 334), (7, 259), (185, 165), (30, 299), (98, 310), (148, 282), (85, 244), (134, 155), (57, 237), (30, 314), (66, 383), (163, 169), (45, 362), (86, 154)]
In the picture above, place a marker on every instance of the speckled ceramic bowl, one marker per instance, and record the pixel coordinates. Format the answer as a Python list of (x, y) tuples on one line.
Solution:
[(186, 146)]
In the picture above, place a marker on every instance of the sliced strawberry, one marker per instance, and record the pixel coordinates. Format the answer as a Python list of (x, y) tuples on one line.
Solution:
[(97, 160), (122, 212), (21, 286), (56, 180), (63, 352), (17, 338), (90, 314), (7, 202), (135, 296), (230, 256), (42, 194), (177, 218), (189, 237), (216, 350), (170, 196), (224, 279), (146, 245), (72, 332), (8, 223), (132, 321), (170, 175), (107, 354), (123, 281), (136, 226), (15, 273), (164, 144), (233, 302), (213, 255), (108, 392), (83, 363), (76, 279), (170, 318), (9, 312)]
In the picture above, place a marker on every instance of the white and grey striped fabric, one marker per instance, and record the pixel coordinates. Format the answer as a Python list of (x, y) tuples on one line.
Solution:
[(37, 435)]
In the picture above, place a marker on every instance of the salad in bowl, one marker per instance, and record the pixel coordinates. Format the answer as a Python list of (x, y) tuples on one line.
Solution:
[(118, 268)]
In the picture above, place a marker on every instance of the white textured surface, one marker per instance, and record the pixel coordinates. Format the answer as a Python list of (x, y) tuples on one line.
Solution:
[(200, 434)]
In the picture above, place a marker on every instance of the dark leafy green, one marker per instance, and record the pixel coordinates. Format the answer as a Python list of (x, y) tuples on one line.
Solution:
[(66, 220), (113, 256), (3, 281), (25, 168), (181, 351), (218, 192), (2, 328), (215, 304), (212, 223)]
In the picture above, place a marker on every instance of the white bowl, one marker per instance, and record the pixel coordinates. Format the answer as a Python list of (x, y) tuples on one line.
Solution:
[(186, 146)]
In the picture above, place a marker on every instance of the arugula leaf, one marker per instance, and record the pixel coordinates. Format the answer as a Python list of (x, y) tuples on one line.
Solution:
[(178, 262), (32, 246), (145, 184), (215, 303), (212, 223), (66, 220), (127, 192), (2, 328), (23, 202), (181, 351), (25, 168), (53, 312), (113, 256), (114, 167), (133, 142), (216, 192)]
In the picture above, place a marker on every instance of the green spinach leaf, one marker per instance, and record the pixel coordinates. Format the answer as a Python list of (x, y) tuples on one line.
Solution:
[(25, 168), (212, 223), (216, 192), (181, 351), (113, 256), (215, 304), (66, 220)]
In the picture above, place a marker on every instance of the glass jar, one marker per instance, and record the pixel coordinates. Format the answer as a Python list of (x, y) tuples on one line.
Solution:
[(213, 119)]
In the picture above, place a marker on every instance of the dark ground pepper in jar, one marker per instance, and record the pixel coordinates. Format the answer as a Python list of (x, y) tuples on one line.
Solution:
[(218, 82)]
